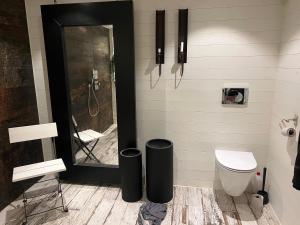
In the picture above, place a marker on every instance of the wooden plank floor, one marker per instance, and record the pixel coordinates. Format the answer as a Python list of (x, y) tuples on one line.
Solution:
[(93, 205)]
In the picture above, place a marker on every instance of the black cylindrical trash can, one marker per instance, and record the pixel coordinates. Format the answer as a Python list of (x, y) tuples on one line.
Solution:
[(159, 170), (131, 174)]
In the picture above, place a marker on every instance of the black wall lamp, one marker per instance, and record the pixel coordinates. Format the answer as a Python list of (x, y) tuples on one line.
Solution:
[(182, 37), (160, 38)]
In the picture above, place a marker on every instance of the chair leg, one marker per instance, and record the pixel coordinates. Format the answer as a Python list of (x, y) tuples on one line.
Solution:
[(25, 205), (81, 147), (95, 158), (90, 153), (92, 149), (65, 208), (86, 152)]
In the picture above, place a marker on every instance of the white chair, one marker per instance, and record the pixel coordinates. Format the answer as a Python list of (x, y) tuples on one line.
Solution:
[(86, 140), (52, 167)]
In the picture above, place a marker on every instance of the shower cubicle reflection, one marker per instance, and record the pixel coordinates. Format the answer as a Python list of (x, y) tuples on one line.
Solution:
[(91, 77)]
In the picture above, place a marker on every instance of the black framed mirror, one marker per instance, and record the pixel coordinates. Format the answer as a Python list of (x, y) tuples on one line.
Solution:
[(90, 59)]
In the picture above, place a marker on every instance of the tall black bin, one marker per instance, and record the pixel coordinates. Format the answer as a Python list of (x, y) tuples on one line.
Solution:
[(159, 170), (131, 174)]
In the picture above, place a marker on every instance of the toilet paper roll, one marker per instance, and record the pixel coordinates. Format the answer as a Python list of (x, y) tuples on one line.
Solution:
[(288, 131), (257, 205)]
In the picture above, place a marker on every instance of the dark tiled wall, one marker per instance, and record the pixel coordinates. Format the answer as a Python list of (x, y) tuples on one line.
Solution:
[(17, 95), (88, 48)]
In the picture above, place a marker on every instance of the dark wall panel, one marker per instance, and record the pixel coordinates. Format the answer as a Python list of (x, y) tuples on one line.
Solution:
[(17, 95)]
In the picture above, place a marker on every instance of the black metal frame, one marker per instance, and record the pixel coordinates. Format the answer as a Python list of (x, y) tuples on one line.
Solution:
[(55, 18), (59, 191)]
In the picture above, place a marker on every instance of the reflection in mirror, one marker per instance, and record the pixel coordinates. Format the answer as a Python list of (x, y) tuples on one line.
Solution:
[(91, 75)]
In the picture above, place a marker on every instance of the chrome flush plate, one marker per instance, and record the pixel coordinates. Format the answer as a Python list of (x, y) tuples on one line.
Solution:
[(235, 96)]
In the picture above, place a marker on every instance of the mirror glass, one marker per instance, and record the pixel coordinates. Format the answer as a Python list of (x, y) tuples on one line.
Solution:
[(89, 56)]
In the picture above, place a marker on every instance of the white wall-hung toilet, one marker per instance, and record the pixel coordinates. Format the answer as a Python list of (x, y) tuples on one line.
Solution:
[(236, 169)]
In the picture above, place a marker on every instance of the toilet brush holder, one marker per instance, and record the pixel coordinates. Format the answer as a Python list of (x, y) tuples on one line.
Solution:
[(263, 193)]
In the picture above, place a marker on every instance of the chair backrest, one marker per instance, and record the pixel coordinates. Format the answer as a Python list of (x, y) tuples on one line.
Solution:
[(33, 132), (74, 122), (75, 126)]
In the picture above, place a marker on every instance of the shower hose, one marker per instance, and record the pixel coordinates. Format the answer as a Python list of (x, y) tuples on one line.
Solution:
[(91, 89)]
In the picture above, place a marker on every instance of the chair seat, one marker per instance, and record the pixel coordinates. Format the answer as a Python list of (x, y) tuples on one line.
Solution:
[(88, 135), (38, 169)]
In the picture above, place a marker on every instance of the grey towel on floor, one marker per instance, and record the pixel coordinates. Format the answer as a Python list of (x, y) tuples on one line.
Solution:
[(152, 213)]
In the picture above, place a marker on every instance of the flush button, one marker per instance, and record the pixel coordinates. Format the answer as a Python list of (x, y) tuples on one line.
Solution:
[(235, 96)]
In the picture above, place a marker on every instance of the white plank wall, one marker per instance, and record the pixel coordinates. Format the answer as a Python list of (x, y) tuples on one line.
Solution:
[(229, 42)]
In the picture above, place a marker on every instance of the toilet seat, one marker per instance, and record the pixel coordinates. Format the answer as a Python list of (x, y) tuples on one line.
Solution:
[(236, 161), (235, 171)]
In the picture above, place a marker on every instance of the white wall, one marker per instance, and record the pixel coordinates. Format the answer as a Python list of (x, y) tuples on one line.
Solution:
[(229, 41), (285, 200)]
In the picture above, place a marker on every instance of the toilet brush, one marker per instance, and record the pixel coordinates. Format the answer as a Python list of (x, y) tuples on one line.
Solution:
[(263, 192)]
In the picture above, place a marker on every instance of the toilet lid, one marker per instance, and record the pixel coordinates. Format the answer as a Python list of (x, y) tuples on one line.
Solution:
[(236, 160)]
